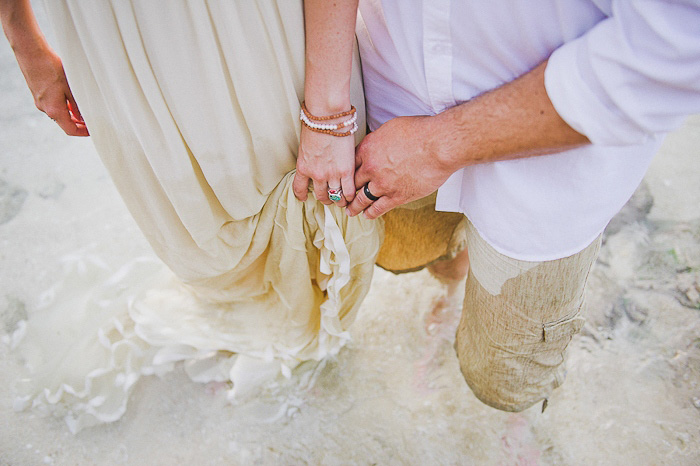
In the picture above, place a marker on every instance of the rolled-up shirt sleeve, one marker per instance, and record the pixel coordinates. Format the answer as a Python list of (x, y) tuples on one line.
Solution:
[(634, 75)]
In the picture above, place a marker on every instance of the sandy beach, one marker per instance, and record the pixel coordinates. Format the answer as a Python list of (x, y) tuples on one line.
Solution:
[(395, 394)]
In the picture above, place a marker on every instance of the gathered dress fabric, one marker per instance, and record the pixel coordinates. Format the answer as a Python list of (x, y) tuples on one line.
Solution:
[(193, 107)]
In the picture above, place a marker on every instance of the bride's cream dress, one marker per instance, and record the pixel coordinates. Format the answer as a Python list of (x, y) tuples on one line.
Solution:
[(193, 107)]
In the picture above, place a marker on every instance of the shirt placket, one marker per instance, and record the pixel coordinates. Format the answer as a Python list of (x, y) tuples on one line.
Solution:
[(437, 54)]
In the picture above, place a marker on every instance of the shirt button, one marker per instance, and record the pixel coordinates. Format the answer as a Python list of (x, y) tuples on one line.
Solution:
[(441, 49)]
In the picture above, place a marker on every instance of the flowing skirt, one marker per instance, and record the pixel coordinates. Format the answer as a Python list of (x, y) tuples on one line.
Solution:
[(193, 107)]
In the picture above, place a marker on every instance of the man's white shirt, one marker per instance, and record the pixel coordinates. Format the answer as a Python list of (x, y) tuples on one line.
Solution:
[(621, 72)]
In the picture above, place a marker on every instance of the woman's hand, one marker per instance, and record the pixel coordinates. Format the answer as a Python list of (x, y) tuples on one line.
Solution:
[(329, 162), (41, 67), (47, 82)]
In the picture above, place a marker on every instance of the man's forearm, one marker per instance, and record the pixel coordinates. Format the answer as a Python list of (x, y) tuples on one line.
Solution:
[(410, 157), (513, 121)]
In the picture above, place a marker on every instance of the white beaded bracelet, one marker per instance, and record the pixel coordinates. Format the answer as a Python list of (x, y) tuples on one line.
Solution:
[(328, 126)]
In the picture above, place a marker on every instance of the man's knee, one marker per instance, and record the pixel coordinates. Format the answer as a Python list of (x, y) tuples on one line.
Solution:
[(510, 385), (512, 367), (517, 321)]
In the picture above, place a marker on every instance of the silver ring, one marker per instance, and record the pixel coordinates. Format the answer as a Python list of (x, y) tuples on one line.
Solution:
[(335, 194), (369, 195)]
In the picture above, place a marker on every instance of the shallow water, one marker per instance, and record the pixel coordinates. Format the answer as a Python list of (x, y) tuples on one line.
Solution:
[(394, 395)]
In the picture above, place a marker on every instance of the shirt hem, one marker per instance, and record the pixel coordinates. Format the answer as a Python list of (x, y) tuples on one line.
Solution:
[(564, 253)]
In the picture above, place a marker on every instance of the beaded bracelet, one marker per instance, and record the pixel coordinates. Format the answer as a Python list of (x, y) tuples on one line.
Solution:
[(307, 119), (343, 124), (330, 117), (353, 130)]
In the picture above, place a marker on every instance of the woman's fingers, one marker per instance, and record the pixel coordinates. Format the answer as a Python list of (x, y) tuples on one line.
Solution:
[(300, 186), (64, 118), (321, 192), (339, 190), (328, 162), (76, 116), (73, 108), (47, 82)]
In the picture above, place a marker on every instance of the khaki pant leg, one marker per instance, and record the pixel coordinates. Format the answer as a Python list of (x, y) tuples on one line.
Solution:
[(415, 235), (517, 321)]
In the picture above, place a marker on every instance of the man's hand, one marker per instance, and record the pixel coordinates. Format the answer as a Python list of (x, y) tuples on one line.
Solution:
[(399, 162), (410, 157)]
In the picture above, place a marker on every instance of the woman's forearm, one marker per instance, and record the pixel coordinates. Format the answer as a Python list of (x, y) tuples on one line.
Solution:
[(330, 35), (21, 28), (326, 160)]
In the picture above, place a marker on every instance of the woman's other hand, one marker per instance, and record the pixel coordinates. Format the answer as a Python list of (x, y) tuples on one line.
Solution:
[(52, 95), (329, 162), (41, 67)]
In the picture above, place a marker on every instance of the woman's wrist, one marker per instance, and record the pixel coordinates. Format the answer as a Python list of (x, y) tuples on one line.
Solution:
[(327, 102), (327, 84)]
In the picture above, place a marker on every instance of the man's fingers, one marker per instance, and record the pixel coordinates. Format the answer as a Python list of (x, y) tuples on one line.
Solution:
[(361, 177), (360, 203), (361, 150), (300, 186), (348, 185), (379, 207), (358, 155)]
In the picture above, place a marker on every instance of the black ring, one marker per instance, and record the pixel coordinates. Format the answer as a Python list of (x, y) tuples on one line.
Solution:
[(369, 195)]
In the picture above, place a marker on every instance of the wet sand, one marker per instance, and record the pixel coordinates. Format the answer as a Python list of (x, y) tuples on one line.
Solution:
[(395, 394)]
